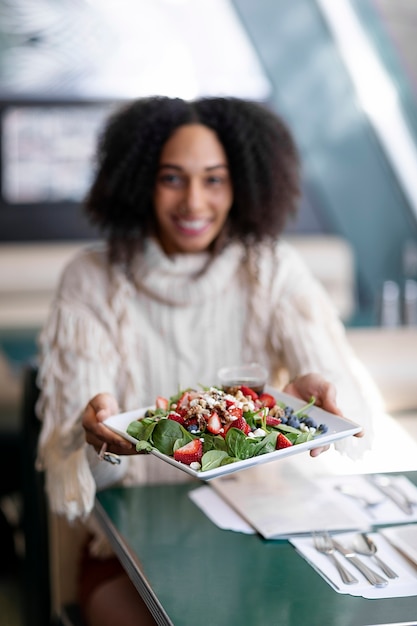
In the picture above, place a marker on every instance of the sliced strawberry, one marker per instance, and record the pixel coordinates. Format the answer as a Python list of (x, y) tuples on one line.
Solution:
[(283, 442), (161, 403), (272, 421), (176, 417), (214, 424), (184, 400), (235, 411), (267, 400), (190, 453), (247, 391), (239, 423)]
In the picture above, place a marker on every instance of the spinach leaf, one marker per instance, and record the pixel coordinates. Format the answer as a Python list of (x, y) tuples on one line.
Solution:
[(303, 437), (288, 429), (250, 417), (228, 459), (213, 442), (266, 444), (213, 459), (166, 433), (143, 446), (179, 443), (141, 429), (238, 445)]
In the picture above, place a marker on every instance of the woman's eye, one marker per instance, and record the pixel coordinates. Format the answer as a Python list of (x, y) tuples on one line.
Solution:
[(215, 180), (172, 180)]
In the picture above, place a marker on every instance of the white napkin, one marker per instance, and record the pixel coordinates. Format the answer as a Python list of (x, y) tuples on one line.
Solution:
[(218, 511), (404, 585)]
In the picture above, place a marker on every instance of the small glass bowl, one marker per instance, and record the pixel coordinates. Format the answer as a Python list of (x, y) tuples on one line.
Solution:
[(251, 375)]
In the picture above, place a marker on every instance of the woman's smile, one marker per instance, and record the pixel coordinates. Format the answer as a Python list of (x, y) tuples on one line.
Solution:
[(192, 227)]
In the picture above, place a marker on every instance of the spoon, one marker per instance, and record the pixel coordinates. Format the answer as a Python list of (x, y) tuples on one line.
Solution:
[(363, 544), (350, 490)]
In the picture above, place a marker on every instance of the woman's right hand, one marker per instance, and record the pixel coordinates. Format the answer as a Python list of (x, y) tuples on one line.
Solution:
[(102, 406)]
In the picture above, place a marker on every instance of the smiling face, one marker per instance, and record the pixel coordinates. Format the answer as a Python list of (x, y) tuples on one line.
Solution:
[(193, 190)]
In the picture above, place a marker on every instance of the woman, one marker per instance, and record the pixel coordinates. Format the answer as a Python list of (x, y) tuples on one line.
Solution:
[(192, 198)]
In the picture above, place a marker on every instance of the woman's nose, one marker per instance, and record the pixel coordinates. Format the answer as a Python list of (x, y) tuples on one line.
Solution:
[(194, 199)]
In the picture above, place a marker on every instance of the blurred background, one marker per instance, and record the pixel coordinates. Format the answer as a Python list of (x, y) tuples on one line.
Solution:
[(342, 73)]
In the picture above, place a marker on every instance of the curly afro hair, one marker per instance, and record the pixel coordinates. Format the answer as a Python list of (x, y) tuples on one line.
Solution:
[(262, 157)]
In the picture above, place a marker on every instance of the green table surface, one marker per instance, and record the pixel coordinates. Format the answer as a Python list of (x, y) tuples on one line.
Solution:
[(191, 573)]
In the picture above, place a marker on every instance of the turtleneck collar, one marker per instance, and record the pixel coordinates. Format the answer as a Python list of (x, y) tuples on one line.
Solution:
[(185, 278)]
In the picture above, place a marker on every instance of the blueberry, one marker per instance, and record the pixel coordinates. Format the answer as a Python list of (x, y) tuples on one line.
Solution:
[(323, 428), (193, 428), (288, 411), (284, 419), (308, 421), (294, 422)]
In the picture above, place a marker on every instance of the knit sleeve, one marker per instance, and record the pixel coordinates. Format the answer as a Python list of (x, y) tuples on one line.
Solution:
[(78, 359), (310, 336)]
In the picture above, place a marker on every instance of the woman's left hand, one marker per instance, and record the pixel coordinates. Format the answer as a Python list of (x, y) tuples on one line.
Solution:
[(304, 387)]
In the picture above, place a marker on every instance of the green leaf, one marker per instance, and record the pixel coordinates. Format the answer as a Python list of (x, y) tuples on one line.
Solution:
[(143, 446), (303, 437), (213, 459), (250, 417), (306, 407), (141, 429), (267, 444), (166, 433), (292, 437), (229, 459), (238, 445), (179, 443), (288, 429), (213, 442)]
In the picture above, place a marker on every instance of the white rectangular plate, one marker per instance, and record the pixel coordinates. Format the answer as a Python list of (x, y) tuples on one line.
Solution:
[(338, 428)]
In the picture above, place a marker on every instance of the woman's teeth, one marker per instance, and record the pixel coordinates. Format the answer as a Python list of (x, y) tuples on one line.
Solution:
[(194, 225)]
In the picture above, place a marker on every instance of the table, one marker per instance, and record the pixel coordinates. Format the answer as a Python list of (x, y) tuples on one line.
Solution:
[(191, 573)]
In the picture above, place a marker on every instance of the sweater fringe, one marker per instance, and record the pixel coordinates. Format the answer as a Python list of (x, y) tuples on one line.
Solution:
[(69, 335)]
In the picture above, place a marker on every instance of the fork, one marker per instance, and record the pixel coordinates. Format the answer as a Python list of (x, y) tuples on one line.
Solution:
[(324, 544)]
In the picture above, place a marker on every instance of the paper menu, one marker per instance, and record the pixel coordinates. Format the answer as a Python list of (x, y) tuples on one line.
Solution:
[(219, 511), (279, 505), (404, 538)]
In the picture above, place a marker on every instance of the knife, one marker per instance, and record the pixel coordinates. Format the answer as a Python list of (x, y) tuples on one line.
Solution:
[(375, 579), (392, 491)]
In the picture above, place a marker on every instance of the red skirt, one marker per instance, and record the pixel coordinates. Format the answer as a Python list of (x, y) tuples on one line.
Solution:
[(93, 573)]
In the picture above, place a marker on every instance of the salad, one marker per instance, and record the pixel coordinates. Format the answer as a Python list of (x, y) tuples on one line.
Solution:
[(213, 427)]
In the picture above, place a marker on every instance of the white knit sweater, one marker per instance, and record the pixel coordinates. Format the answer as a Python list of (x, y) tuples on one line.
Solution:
[(174, 325)]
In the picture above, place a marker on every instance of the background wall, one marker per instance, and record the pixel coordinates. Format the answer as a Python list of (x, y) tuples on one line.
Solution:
[(90, 55), (351, 185)]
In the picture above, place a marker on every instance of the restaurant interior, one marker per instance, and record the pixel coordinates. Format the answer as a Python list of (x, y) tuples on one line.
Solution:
[(343, 74)]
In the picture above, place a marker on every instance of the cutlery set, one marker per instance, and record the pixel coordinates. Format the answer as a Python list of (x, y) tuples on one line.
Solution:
[(385, 488), (388, 488), (368, 503), (363, 544)]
